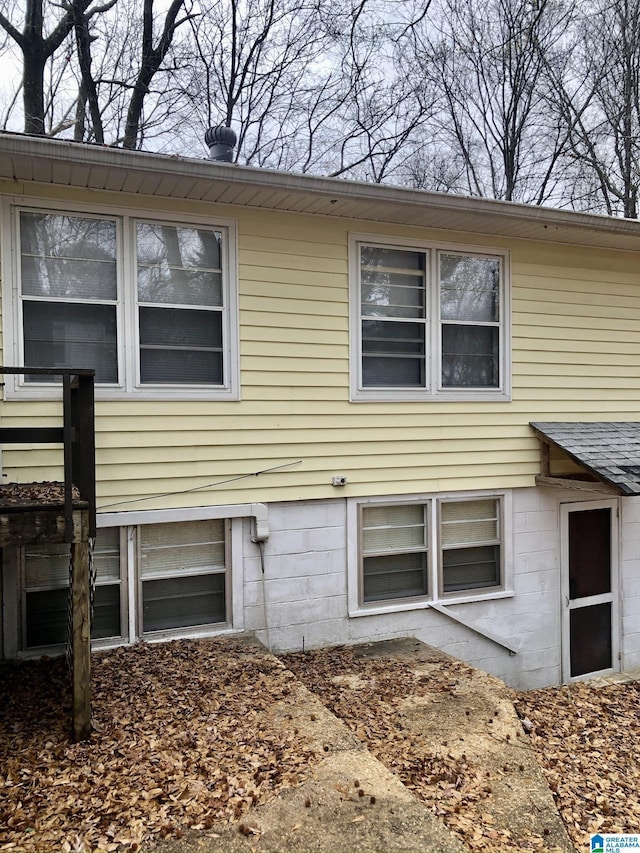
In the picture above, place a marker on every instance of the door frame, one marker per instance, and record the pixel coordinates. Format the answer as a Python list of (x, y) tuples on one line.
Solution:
[(614, 596)]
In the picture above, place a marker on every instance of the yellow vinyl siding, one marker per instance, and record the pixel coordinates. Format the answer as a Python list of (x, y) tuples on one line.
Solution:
[(575, 356)]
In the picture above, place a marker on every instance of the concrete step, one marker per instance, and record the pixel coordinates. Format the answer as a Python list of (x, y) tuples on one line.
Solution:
[(471, 719), (352, 801), (327, 812)]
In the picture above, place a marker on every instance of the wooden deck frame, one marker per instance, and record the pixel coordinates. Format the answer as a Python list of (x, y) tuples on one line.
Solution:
[(73, 522)]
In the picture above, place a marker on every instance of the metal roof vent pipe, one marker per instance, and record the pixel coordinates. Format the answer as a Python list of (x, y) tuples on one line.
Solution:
[(221, 141)]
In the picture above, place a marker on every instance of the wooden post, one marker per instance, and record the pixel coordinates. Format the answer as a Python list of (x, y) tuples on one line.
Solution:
[(545, 459), (81, 640)]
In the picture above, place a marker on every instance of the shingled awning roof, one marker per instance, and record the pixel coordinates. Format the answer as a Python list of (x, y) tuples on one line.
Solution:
[(609, 451)]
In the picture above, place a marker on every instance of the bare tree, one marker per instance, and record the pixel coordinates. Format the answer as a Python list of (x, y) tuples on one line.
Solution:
[(598, 99), (310, 85), (489, 62), (38, 43), (257, 63), (151, 58), (383, 106), (81, 58), (88, 91)]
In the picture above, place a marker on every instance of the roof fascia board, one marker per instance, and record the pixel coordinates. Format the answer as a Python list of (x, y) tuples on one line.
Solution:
[(88, 155)]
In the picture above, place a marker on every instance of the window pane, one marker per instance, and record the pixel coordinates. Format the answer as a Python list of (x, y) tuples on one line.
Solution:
[(181, 346), (469, 521), (381, 259), (470, 357), (106, 554), (183, 602), (47, 615), (469, 510), (179, 265), (180, 547), (48, 565), (395, 576), (106, 612), (393, 528), (470, 568), (396, 296), (47, 618), (392, 282), (60, 334), (65, 256), (469, 288), (393, 354)]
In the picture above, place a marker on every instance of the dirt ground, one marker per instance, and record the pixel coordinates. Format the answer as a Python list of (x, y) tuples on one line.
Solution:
[(195, 740)]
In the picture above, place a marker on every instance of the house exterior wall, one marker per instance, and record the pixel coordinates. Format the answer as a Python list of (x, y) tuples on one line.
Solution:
[(306, 580), (575, 320)]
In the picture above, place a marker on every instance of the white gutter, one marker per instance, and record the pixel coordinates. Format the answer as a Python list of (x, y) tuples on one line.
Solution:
[(259, 513), (333, 190)]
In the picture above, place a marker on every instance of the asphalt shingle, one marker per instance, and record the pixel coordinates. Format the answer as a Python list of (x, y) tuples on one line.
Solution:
[(611, 451)]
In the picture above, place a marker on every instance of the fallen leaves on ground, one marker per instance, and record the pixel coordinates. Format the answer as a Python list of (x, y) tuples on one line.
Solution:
[(182, 740), (366, 692), (587, 739)]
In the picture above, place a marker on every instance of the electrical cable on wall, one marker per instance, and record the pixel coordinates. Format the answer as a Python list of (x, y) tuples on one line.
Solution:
[(199, 488)]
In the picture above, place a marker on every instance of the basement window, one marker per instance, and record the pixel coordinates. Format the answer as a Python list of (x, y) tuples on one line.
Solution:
[(470, 537), (183, 575), (46, 592), (409, 553)]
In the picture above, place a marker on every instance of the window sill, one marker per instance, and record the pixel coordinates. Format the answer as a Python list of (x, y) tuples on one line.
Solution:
[(488, 595), (382, 609), (113, 394), (59, 649), (214, 630), (381, 395)]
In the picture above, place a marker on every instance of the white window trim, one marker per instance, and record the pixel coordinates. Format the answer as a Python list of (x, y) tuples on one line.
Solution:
[(192, 630), (356, 607), (432, 392), (12, 574), (129, 521), (128, 353)]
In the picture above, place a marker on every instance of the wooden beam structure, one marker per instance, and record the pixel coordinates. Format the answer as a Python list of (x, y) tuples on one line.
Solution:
[(80, 640), (43, 513)]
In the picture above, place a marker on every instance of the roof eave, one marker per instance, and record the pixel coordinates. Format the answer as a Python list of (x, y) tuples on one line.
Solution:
[(39, 159)]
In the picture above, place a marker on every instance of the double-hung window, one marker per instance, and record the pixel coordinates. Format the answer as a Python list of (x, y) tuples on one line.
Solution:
[(394, 551), (470, 545), (182, 575), (180, 305), (427, 550), (428, 322), (45, 599), (149, 305), (151, 580)]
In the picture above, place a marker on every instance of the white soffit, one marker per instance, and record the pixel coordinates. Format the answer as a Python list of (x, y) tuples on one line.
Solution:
[(34, 159)]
